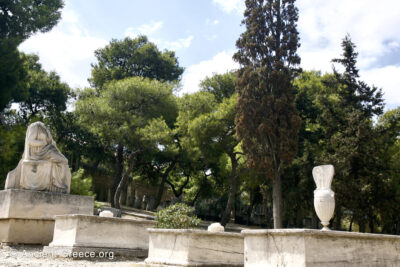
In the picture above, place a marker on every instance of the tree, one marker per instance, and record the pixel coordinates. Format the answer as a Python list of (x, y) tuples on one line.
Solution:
[(118, 115), (12, 73), (220, 85), (267, 122), (133, 57), (18, 21), (352, 140), (214, 134), (46, 94)]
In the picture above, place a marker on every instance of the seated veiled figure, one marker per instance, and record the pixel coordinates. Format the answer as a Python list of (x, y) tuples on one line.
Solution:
[(42, 166)]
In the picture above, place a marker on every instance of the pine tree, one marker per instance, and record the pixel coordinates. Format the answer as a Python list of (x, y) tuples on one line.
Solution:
[(267, 122), (351, 138)]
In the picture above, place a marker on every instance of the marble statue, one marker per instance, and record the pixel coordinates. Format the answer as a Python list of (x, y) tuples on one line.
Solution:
[(42, 166), (324, 197)]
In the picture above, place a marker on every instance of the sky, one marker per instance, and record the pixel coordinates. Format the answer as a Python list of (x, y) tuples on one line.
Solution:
[(203, 34)]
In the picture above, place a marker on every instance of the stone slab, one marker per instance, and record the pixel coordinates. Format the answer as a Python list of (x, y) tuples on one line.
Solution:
[(26, 231), (311, 248), (172, 247), (82, 231), (29, 204)]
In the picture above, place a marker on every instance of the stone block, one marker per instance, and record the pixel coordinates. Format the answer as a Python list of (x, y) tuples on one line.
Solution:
[(194, 248), (27, 216), (311, 248), (29, 204), (94, 233)]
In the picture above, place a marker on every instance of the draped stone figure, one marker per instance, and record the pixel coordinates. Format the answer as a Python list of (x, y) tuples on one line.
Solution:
[(42, 166)]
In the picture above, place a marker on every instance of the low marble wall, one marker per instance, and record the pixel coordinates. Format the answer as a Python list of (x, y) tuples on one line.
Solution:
[(306, 247), (194, 248), (81, 232)]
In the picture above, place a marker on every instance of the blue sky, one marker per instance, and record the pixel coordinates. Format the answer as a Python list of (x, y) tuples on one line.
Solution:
[(203, 35)]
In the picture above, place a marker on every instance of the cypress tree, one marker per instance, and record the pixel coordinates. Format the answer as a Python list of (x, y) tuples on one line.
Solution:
[(267, 122)]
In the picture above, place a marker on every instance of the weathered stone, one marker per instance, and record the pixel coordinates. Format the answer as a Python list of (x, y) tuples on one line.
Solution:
[(79, 232), (194, 248), (215, 227), (312, 248), (27, 216), (42, 166), (106, 213)]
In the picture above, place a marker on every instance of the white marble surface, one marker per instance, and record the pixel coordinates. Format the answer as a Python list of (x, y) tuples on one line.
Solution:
[(194, 248), (100, 232), (306, 247), (324, 197)]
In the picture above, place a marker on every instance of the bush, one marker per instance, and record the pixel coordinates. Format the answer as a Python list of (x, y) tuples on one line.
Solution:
[(81, 186), (178, 216)]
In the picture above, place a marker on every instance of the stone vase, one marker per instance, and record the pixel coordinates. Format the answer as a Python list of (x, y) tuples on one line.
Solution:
[(324, 197)]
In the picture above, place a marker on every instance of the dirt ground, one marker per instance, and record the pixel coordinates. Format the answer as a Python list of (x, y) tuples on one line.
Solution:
[(24, 256)]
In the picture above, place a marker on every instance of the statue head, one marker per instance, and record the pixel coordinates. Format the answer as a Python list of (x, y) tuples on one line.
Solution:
[(37, 137)]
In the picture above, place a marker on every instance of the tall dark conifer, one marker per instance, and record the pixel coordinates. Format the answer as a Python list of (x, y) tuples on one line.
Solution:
[(352, 142), (267, 122)]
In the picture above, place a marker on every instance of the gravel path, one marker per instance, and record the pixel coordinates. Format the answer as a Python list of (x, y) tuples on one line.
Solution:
[(24, 256)]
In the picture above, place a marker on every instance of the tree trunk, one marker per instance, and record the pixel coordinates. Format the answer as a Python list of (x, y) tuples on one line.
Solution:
[(118, 191), (161, 187), (277, 200), (119, 165), (160, 192), (338, 219), (250, 208), (231, 200), (123, 182), (351, 224)]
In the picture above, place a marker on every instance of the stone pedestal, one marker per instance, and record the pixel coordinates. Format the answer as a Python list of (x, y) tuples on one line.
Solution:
[(81, 233), (27, 216), (306, 247), (194, 248)]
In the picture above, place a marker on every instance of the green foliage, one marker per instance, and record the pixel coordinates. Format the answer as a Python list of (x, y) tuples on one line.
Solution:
[(132, 58), (18, 21), (46, 94), (80, 185), (12, 73), (220, 85), (178, 216), (12, 140)]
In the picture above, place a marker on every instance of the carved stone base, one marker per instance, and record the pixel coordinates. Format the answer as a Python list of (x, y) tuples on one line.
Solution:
[(27, 217)]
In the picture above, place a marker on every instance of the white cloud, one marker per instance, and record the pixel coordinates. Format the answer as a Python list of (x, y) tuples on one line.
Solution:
[(145, 29), (388, 79), (176, 45), (68, 49), (323, 24), (150, 29), (230, 6), (212, 22), (372, 27), (193, 75)]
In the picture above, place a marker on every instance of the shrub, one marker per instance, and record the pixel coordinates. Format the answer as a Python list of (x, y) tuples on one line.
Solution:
[(81, 186), (178, 216)]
